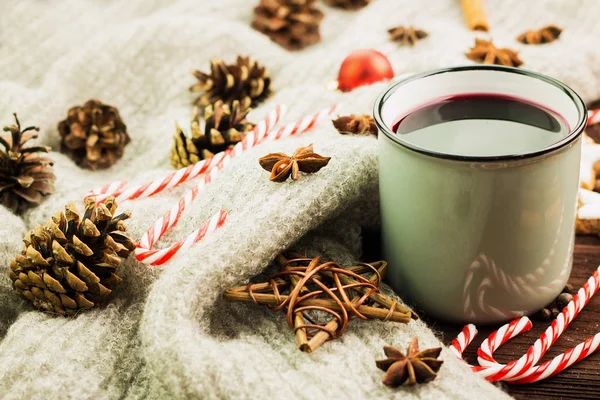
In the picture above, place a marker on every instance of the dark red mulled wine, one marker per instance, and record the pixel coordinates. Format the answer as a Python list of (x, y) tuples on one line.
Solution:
[(481, 124)]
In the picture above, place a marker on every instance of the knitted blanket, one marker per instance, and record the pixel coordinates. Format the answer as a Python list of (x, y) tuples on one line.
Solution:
[(167, 333)]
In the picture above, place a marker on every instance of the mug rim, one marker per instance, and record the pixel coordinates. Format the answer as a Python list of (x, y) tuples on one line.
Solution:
[(571, 137)]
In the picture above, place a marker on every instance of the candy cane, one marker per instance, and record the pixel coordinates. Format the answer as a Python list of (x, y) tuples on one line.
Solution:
[(593, 116), (118, 190), (498, 338), (469, 332), (520, 369), (159, 257), (463, 340), (571, 356), (562, 361), (523, 370), (145, 253)]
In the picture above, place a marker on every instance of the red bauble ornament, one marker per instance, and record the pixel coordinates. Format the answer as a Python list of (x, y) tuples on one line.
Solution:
[(364, 67)]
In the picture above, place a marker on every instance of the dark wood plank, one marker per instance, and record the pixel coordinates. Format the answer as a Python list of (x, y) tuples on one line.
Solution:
[(582, 380)]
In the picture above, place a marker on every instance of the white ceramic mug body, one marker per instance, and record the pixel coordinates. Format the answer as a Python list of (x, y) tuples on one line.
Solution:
[(478, 239)]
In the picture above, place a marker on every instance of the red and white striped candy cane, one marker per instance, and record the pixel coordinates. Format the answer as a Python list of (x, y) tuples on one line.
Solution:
[(498, 338), (524, 370), (463, 340), (559, 325), (469, 332), (144, 251), (159, 257), (118, 190), (562, 361)]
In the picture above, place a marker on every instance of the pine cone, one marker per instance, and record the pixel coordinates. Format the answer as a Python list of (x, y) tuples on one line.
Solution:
[(69, 263), (215, 129), (26, 176), (94, 135), (293, 24), (348, 4), (245, 78)]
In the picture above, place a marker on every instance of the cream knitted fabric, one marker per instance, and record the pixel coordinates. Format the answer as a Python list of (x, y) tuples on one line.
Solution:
[(167, 334)]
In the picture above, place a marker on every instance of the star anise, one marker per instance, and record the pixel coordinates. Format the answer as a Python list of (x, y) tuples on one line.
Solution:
[(406, 36), (486, 52), (282, 166), (414, 367), (546, 34), (356, 125)]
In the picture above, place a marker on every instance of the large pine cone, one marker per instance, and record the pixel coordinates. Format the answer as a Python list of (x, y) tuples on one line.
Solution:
[(215, 129), (348, 4), (26, 176), (245, 78), (293, 24), (69, 263), (94, 135)]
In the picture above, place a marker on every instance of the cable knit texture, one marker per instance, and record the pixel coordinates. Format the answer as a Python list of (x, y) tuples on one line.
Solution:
[(167, 333)]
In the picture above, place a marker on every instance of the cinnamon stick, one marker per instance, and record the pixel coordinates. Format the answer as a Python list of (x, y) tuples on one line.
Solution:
[(301, 337), (270, 299), (475, 15), (321, 337), (299, 322)]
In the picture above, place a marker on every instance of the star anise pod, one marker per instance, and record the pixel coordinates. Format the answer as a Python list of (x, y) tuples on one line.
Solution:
[(546, 34), (414, 367), (486, 52), (406, 36), (363, 125), (282, 166)]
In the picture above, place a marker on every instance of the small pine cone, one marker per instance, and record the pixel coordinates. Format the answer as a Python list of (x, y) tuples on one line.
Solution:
[(292, 24), (93, 135), (245, 78), (348, 4), (69, 263), (26, 176), (215, 129)]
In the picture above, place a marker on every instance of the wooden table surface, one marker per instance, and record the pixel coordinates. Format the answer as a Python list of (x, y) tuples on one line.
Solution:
[(582, 380)]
